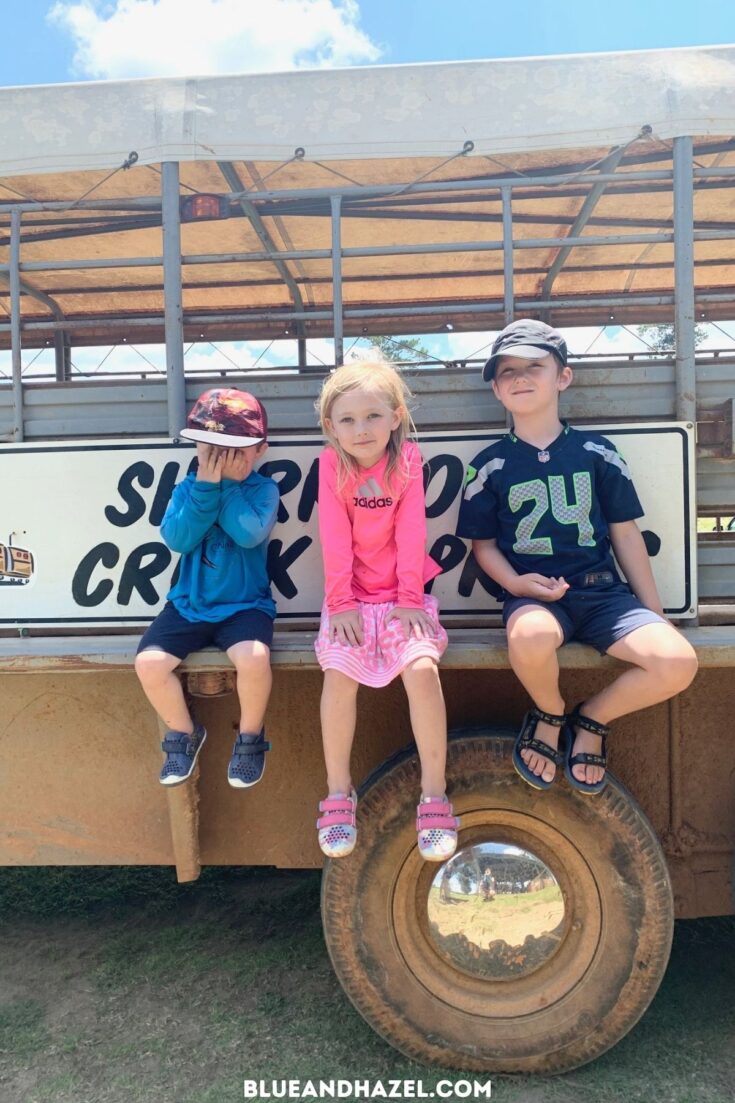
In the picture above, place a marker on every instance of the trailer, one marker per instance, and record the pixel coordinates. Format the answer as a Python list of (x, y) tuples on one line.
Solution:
[(584, 190)]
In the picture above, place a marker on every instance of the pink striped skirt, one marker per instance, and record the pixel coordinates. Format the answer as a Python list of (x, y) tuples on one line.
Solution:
[(385, 651)]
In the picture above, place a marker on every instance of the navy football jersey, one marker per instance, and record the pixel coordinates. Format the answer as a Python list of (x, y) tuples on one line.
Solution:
[(549, 509)]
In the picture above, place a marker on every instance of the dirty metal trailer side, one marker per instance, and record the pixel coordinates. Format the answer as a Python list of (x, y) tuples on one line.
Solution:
[(338, 205)]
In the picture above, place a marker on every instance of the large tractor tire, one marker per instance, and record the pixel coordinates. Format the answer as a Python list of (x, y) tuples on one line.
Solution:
[(549, 974)]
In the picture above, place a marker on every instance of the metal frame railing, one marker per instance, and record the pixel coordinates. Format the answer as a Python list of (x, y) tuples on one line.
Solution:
[(683, 236)]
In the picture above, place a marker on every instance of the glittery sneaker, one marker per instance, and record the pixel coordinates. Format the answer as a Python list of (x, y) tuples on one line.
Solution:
[(337, 828), (437, 826)]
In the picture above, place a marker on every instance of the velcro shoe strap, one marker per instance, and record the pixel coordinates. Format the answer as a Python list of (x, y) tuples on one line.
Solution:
[(428, 823), (339, 811), (435, 813), (181, 745), (434, 808), (250, 748), (337, 804)]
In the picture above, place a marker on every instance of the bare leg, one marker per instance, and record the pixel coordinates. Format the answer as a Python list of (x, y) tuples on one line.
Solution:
[(664, 664), (155, 669), (252, 661), (338, 714), (429, 723), (534, 637)]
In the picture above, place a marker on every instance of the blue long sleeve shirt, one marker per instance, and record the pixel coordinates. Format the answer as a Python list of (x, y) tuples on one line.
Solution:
[(221, 530)]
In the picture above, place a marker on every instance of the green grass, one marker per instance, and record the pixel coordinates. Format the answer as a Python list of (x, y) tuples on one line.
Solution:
[(119, 986), (22, 1028)]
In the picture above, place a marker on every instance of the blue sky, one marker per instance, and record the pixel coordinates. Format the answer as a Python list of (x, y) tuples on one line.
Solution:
[(53, 41), (34, 50)]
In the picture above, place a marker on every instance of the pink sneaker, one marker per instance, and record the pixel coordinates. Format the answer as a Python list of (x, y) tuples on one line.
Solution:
[(337, 829), (437, 826)]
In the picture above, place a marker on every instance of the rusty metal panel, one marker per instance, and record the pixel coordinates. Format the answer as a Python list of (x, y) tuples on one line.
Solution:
[(80, 761), (78, 782)]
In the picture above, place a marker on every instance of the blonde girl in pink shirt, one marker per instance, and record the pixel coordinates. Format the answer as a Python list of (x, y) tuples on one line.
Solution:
[(377, 622)]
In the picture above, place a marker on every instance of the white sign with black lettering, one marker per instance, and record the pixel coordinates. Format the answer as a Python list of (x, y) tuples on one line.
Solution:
[(79, 521)]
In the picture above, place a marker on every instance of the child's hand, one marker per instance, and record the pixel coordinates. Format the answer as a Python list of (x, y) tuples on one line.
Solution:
[(539, 587), (346, 627), (211, 459), (236, 464), (413, 622)]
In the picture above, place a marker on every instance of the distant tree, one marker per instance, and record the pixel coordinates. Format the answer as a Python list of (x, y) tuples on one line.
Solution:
[(662, 338), (400, 348)]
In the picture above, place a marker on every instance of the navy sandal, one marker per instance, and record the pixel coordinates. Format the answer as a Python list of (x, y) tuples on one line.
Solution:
[(247, 763), (181, 751), (577, 720), (526, 740)]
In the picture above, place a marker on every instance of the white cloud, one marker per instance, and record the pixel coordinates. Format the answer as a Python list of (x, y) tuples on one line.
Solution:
[(139, 38)]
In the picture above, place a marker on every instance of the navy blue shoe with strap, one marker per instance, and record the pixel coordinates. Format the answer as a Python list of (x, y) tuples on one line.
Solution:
[(526, 741), (181, 751), (577, 720), (248, 759)]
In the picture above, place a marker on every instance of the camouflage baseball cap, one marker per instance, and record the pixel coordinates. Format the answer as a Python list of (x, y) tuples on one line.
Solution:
[(229, 418)]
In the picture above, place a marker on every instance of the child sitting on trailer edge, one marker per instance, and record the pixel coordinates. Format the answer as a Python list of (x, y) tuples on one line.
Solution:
[(377, 622), (219, 518), (545, 510)]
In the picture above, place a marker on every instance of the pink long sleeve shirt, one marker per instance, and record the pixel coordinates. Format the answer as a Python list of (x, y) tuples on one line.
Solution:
[(374, 537)]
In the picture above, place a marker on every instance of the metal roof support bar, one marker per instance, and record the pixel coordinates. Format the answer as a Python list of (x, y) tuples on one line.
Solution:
[(15, 326), (609, 165), (339, 349), (505, 195), (62, 354), (410, 309), (686, 399), (172, 301), (365, 251), (368, 191), (250, 211), (11, 271), (362, 191)]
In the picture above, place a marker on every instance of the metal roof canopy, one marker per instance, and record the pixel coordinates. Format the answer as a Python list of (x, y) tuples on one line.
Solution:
[(583, 244), (558, 202)]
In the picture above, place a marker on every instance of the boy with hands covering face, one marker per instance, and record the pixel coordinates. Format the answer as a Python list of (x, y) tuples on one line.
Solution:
[(219, 519)]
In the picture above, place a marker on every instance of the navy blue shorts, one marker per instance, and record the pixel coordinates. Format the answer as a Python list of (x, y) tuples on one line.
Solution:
[(597, 617), (174, 634)]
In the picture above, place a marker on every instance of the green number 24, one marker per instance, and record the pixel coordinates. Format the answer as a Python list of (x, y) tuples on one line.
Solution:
[(554, 497)]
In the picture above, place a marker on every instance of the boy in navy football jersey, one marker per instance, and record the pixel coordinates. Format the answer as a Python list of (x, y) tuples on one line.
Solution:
[(545, 508)]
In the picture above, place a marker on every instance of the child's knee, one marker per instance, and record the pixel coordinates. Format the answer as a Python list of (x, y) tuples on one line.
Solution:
[(675, 670), (423, 664), (255, 663), (684, 665), (422, 671), (152, 666), (531, 642)]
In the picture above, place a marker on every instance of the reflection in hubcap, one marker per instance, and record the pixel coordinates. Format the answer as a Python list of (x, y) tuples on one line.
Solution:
[(495, 911)]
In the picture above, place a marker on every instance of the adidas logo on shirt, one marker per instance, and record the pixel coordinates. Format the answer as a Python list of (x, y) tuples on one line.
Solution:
[(370, 496)]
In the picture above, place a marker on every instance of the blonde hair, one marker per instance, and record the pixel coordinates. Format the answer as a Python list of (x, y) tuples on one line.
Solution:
[(381, 378)]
